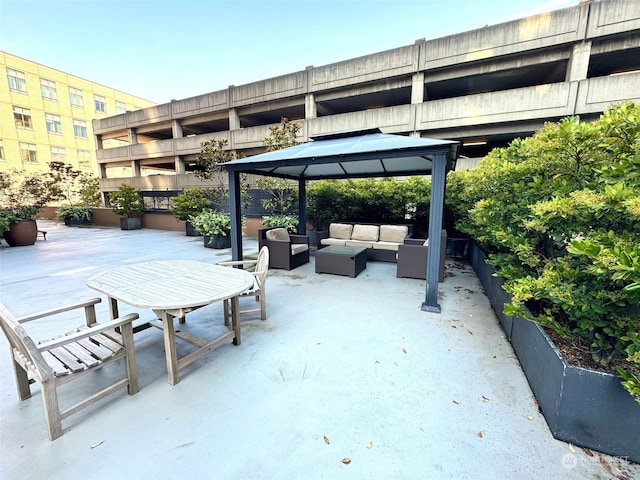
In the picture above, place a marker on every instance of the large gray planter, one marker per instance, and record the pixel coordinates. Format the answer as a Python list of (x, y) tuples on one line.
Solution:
[(130, 223), (585, 407)]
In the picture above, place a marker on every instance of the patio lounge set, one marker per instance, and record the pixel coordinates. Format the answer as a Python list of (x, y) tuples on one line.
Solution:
[(345, 248)]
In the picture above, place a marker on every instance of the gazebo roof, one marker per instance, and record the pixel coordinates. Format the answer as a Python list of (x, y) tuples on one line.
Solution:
[(368, 153)]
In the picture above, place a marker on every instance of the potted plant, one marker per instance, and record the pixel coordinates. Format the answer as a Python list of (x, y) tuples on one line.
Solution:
[(216, 228), (290, 222), (21, 198), (128, 203), (81, 191), (188, 204)]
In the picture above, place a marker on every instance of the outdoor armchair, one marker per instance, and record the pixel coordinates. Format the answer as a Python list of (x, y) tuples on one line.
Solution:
[(286, 251), (57, 361), (258, 290), (412, 259)]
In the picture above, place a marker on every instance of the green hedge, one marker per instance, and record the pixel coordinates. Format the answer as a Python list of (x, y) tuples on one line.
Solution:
[(559, 215)]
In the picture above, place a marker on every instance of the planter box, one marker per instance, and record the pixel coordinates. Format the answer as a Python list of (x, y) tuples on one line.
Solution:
[(190, 230), (130, 223), (76, 222), (21, 233), (217, 241), (585, 407)]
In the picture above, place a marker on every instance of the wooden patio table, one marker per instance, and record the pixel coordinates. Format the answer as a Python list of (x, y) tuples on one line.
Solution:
[(172, 288)]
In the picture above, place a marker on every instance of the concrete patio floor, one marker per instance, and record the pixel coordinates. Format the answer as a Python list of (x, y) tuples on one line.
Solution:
[(342, 368)]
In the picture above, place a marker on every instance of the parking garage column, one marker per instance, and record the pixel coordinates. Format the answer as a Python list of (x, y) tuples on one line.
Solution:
[(234, 119), (310, 108), (579, 62), (179, 165), (176, 129), (417, 88), (133, 136)]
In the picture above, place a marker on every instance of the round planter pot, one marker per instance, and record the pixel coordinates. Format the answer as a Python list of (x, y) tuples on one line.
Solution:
[(190, 230), (22, 233), (217, 241)]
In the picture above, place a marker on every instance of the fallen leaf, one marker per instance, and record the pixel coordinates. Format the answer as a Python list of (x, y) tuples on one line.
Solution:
[(97, 444), (369, 444), (395, 363), (326, 440), (530, 417), (571, 447), (404, 350), (588, 452), (484, 399), (470, 332), (456, 402), (480, 435), (453, 326), (377, 362), (346, 461), (604, 464)]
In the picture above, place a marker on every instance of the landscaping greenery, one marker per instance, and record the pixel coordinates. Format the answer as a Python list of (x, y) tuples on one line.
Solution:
[(190, 202), (368, 200), (210, 223), (127, 201), (79, 190), (559, 216)]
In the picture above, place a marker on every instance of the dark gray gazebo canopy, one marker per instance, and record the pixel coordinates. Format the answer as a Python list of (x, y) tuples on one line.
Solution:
[(359, 154)]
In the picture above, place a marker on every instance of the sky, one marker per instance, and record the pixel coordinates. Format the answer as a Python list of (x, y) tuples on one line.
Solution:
[(161, 50)]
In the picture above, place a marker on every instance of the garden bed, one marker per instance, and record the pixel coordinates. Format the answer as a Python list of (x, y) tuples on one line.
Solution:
[(586, 407)]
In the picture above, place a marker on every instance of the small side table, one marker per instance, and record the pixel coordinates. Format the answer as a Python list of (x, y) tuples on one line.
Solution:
[(341, 260)]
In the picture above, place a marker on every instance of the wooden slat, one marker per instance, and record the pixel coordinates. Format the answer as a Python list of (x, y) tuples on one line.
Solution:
[(56, 365), (96, 350), (67, 359), (82, 354), (102, 339)]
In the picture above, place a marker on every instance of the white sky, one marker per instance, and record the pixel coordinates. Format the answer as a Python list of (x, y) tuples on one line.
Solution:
[(174, 49)]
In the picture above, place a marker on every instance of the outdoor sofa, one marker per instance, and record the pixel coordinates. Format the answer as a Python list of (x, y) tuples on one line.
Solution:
[(380, 240)]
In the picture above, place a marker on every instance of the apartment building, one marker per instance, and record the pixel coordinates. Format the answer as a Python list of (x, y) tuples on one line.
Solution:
[(483, 87), (46, 114)]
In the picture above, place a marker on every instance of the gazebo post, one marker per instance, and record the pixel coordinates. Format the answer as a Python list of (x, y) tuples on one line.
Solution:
[(302, 206), (438, 180), (235, 206)]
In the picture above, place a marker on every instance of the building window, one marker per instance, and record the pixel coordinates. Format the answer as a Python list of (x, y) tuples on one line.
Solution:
[(75, 97), (22, 117), (84, 159), (1, 151), (48, 90), (53, 123), (80, 128), (28, 152), (121, 107), (100, 103), (58, 154), (17, 82)]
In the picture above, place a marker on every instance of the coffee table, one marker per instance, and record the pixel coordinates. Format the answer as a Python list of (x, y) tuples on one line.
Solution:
[(341, 260)]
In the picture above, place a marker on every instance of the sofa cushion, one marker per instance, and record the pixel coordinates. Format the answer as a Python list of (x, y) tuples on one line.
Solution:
[(332, 241), (278, 234), (298, 248), (365, 233), (393, 233), (340, 230), (386, 246), (359, 243)]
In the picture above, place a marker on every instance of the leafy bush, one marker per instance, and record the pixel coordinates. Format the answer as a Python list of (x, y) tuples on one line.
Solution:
[(212, 223), (559, 214), (189, 203), (127, 201), (288, 221)]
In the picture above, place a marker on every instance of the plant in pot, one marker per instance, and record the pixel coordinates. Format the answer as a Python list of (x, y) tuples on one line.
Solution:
[(21, 198), (290, 222), (188, 204), (128, 203), (215, 226), (80, 190)]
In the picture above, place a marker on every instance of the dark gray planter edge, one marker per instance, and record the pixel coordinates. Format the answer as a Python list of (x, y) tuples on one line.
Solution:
[(586, 407)]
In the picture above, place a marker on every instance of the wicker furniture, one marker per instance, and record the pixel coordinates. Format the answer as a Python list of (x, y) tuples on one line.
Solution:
[(412, 258), (341, 260), (63, 359), (259, 288), (380, 240), (173, 288), (286, 251)]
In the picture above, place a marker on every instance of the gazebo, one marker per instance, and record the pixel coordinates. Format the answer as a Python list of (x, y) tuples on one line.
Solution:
[(359, 154)]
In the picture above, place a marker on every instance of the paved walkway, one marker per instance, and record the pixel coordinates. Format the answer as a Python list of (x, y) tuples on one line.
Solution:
[(342, 369)]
